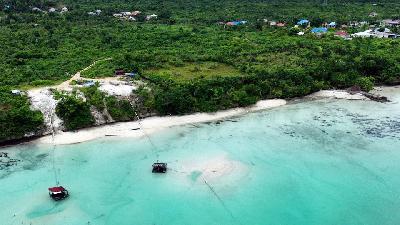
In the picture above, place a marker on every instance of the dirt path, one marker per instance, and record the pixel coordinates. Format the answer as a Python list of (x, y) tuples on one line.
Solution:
[(66, 84), (42, 98)]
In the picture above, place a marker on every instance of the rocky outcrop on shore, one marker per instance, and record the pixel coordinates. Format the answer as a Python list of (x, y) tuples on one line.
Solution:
[(356, 90), (43, 99), (352, 93)]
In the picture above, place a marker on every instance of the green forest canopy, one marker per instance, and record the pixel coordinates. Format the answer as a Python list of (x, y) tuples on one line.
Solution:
[(45, 48)]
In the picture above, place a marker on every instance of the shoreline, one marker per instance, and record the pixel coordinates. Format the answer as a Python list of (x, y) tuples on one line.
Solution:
[(150, 125)]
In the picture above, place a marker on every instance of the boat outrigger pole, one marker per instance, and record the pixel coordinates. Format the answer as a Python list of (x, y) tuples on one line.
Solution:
[(58, 192), (157, 167)]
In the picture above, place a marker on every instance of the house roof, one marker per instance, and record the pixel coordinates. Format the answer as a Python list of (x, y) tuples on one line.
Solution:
[(235, 23), (302, 22), (319, 30), (89, 83), (392, 22), (341, 33)]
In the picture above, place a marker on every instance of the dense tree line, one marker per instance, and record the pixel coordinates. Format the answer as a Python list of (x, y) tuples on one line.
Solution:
[(16, 116), (167, 96), (75, 108)]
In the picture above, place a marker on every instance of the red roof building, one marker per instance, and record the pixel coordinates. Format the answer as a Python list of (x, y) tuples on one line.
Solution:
[(341, 33), (280, 24), (119, 72)]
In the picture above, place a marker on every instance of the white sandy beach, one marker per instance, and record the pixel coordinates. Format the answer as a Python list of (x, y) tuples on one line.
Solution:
[(151, 124)]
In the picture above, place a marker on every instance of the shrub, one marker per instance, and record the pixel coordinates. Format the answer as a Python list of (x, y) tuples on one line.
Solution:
[(16, 117), (365, 83), (120, 110), (75, 112), (94, 96)]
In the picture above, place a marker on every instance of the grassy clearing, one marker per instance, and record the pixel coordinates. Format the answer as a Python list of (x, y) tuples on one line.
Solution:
[(191, 71), (101, 69), (38, 84)]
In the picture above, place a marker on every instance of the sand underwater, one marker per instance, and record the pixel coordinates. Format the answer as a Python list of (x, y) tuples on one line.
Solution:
[(311, 162)]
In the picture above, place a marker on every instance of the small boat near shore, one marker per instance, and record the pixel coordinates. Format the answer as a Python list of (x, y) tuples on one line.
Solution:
[(58, 193)]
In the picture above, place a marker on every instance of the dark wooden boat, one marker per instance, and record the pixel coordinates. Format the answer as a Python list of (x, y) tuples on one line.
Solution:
[(159, 167)]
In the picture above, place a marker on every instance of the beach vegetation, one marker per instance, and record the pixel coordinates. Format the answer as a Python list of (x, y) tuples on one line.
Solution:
[(120, 109), (16, 116), (74, 111), (94, 96)]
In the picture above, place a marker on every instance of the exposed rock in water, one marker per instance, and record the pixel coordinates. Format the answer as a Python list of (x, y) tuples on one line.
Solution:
[(377, 98), (374, 97), (6, 161)]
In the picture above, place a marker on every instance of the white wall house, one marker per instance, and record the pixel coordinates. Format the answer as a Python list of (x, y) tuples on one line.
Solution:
[(64, 10), (152, 16), (376, 34)]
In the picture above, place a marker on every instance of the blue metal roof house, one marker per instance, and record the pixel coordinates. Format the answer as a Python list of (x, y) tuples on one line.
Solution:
[(131, 74), (303, 22), (89, 83), (319, 30), (236, 23)]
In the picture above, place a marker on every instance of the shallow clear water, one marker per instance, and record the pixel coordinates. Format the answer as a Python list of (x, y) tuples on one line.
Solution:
[(319, 162)]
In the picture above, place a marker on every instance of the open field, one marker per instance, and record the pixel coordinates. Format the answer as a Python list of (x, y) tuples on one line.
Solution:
[(190, 71)]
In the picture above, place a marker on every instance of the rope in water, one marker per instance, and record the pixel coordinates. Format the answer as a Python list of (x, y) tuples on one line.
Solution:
[(210, 187), (54, 147), (214, 192), (154, 149), (219, 199)]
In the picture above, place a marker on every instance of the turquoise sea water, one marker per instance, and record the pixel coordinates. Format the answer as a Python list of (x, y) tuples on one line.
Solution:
[(317, 162)]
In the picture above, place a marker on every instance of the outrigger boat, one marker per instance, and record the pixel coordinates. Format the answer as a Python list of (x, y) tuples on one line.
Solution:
[(58, 193), (159, 167)]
